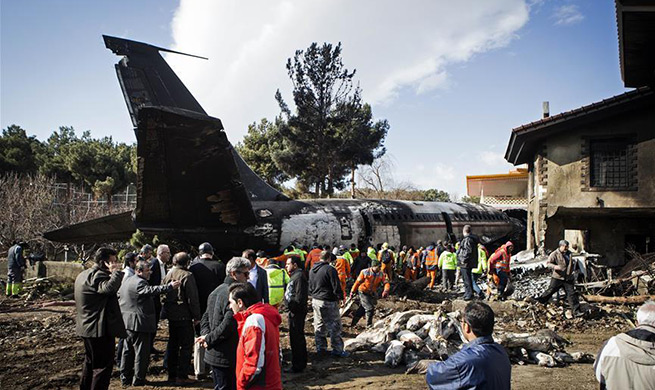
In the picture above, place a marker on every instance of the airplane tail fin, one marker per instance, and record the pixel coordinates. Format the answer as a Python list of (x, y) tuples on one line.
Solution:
[(148, 81)]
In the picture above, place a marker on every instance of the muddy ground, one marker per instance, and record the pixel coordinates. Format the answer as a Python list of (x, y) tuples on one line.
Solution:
[(39, 350)]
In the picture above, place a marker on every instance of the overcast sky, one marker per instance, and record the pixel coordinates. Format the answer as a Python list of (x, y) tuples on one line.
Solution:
[(451, 77)]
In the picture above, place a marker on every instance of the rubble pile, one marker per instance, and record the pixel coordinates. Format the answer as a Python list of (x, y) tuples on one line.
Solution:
[(417, 337), (44, 288), (525, 317), (530, 282)]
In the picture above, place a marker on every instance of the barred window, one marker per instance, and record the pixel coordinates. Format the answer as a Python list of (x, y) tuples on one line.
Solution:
[(612, 163)]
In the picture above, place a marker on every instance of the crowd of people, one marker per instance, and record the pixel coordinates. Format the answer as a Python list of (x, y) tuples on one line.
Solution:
[(223, 318)]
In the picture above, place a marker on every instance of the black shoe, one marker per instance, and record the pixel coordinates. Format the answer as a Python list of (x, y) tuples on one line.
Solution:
[(138, 383), (468, 299), (155, 351), (292, 370)]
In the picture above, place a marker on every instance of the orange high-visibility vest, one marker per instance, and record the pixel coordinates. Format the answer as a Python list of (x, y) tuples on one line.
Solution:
[(432, 259)]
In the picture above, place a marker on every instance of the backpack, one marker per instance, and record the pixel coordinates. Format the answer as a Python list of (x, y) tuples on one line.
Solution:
[(386, 257)]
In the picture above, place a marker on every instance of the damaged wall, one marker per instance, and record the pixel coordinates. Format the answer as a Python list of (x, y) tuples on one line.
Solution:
[(560, 178)]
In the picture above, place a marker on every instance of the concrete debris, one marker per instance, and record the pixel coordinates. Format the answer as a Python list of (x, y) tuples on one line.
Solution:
[(394, 354), (416, 338)]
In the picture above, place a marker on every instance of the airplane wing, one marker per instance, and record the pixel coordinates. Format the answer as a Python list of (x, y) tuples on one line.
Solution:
[(117, 227)]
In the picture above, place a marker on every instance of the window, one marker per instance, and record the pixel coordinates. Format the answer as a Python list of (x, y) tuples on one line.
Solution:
[(612, 163)]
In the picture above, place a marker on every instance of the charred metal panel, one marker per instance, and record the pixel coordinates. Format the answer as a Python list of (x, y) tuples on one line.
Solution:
[(188, 174)]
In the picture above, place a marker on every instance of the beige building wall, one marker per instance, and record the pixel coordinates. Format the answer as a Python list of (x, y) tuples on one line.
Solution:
[(558, 177)]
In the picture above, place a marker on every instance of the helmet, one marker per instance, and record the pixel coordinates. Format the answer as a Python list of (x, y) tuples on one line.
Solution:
[(341, 251), (146, 248), (206, 247)]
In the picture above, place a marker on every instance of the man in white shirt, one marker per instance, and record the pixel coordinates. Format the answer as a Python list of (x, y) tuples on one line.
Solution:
[(158, 271), (257, 276)]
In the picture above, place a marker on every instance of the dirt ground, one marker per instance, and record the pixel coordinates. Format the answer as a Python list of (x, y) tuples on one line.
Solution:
[(39, 350)]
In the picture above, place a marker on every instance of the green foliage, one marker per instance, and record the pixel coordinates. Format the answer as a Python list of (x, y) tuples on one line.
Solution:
[(331, 130), (256, 150), (434, 195), (470, 199), (70, 158), (18, 152)]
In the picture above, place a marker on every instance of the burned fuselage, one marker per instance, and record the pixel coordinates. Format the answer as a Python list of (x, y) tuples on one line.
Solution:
[(193, 186)]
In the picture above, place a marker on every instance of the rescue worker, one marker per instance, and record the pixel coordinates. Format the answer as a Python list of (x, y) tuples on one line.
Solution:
[(448, 266), (387, 259), (431, 263), (313, 257), (481, 269), (367, 285), (372, 253), (499, 266), (351, 254), (278, 278), (343, 268), (400, 261), (411, 264), (15, 268)]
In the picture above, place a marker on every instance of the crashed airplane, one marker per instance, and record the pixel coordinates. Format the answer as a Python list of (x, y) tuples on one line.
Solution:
[(193, 186)]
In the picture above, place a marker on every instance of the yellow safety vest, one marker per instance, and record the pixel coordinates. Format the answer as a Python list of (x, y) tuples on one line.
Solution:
[(277, 283)]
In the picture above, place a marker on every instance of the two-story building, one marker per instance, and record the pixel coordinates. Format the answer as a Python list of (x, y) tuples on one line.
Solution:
[(591, 170)]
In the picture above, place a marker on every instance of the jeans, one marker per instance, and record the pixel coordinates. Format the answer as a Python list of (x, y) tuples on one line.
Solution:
[(502, 283), (476, 287), (327, 320), (468, 282)]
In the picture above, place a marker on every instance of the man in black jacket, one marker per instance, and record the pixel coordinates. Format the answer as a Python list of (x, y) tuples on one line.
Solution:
[(467, 259), (218, 328), (209, 273), (325, 289), (99, 319), (296, 299)]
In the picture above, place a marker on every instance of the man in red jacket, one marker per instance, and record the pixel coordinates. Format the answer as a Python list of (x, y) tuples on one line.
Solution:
[(258, 352)]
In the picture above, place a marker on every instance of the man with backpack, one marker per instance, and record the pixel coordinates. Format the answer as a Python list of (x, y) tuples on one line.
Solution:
[(387, 259)]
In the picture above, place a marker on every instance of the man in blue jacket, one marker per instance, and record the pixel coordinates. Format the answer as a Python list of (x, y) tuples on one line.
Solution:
[(481, 364)]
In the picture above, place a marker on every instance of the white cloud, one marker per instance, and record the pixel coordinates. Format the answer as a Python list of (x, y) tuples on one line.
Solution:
[(567, 15), (492, 159), (392, 45)]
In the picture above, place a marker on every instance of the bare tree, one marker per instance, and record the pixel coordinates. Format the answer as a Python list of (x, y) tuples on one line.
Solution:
[(33, 205)]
